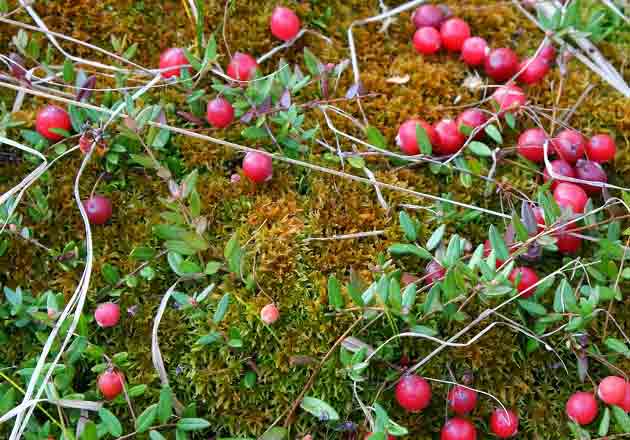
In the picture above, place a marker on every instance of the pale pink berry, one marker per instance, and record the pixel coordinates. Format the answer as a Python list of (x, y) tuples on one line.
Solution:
[(269, 314)]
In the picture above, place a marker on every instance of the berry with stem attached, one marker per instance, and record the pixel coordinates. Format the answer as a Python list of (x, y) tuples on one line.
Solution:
[(219, 112), (427, 40), (98, 209), (173, 59), (413, 393), (110, 384), (52, 117), (474, 51), (284, 23), (501, 64), (454, 32)]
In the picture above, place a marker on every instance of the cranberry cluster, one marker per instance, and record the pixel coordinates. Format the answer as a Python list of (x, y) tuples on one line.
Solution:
[(582, 407)]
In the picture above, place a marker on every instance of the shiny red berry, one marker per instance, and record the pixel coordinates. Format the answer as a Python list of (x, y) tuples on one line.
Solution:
[(472, 118), (110, 384), (462, 400), (601, 148), (582, 408), (51, 117), (219, 113), (592, 172), (474, 51), (569, 145), (257, 167), (107, 314), (433, 272), (509, 98), (454, 32), (570, 195), (504, 423), (539, 215), (566, 242), (625, 405), (450, 139), (175, 58), (458, 429), (501, 64), (534, 70), (242, 67), (413, 393), (98, 209), (612, 390), (559, 167), (528, 278), (428, 15), (284, 23), (407, 139), (427, 40), (530, 144)]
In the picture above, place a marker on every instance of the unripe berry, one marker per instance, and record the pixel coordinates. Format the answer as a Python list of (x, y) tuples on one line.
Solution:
[(219, 112), (107, 314), (242, 67), (407, 139), (110, 384), (284, 23), (413, 393), (462, 400), (504, 423), (257, 167), (569, 195), (269, 314), (427, 40), (472, 118), (531, 144), (98, 209), (458, 429), (175, 58), (474, 51), (528, 278), (454, 32), (601, 148), (450, 139), (51, 117), (501, 64), (582, 408)]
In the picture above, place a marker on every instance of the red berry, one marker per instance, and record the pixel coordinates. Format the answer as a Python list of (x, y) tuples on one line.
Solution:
[(110, 384), (107, 314), (474, 51), (548, 53), (625, 405), (458, 429), (528, 279), (175, 58), (428, 15), (504, 423), (566, 242), (98, 209), (49, 117), (462, 400), (534, 70), (570, 195), (269, 314), (242, 67), (612, 390), (509, 98), (407, 140), (427, 40), (284, 23), (413, 393), (450, 139), (539, 215), (601, 148), (472, 118), (501, 64), (433, 272), (257, 167), (454, 32), (590, 171), (530, 144), (561, 168), (582, 408), (569, 145), (487, 248), (219, 113)]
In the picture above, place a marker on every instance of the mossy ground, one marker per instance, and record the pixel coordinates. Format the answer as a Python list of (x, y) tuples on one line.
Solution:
[(297, 204)]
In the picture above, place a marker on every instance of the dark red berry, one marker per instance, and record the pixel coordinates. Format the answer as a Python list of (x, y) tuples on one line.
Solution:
[(612, 390), (509, 98), (454, 32), (107, 314), (528, 278), (242, 67), (428, 15), (458, 429), (625, 405), (433, 272), (450, 139), (569, 145), (284, 23), (413, 393), (561, 168), (472, 118), (219, 113), (530, 144), (175, 58), (110, 384), (501, 64), (504, 423), (582, 408), (534, 70), (407, 139), (601, 148), (590, 171), (462, 400), (539, 215), (98, 209), (474, 51), (257, 167), (51, 117), (566, 242), (570, 195), (427, 40)]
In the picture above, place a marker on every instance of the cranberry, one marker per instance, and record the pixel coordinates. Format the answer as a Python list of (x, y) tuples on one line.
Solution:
[(219, 113), (625, 405), (98, 209), (501, 64), (458, 429), (561, 168), (110, 384), (601, 148), (539, 215), (612, 390), (175, 58), (428, 15), (242, 67), (530, 144), (462, 400), (450, 138), (413, 393), (509, 98), (569, 145), (548, 53), (269, 314), (257, 167), (284, 23), (534, 70), (504, 423), (472, 118), (434, 272), (474, 51), (582, 408), (487, 248), (528, 279), (49, 117), (592, 172), (454, 32), (407, 140), (566, 242), (107, 314), (569, 195), (427, 40)]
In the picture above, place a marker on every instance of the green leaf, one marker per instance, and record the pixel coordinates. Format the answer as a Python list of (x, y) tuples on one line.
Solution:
[(519, 228), (254, 133), (142, 253), (335, 299), (492, 131), (155, 435), (409, 297), (604, 425), (137, 390), (165, 404), (211, 51), (275, 433), (622, 419), (480, 149), (356, 162), (208, 339), (407, 225), (435, 238), (222, 308), (144, 160), (409, 249), (110, 273), (311, 61), (618, 346), (89, 431), (375, 137), (146, 419), (423, 140), (110, 421), (423, 330), (192, 424), (68, 71), (510, 120), (319, 409), (212, 267), (433, 302), (533, 308), (564, 299), (180, 247), (498, 244)]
